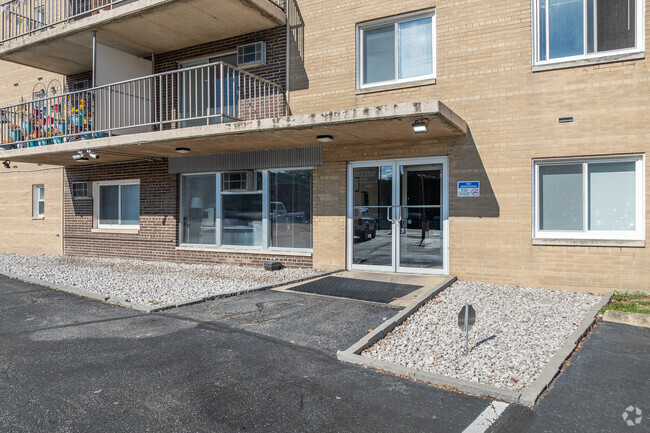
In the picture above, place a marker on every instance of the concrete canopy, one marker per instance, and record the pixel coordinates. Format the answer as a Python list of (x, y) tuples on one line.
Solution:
[(359, 125), (141, 28)]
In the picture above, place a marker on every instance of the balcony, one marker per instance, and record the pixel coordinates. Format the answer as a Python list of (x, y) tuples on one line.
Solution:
[(203, 130), (56, 35), (213, 94)]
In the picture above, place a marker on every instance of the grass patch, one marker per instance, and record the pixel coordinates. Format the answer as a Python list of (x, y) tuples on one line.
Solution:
[(629, 302)]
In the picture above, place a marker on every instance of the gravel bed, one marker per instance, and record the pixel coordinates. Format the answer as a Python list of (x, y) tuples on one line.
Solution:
[(143, 282), (517, 331)]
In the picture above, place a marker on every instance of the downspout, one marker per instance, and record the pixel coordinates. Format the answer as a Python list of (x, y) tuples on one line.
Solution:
[(94, 60), (62, 210), (288, 54)]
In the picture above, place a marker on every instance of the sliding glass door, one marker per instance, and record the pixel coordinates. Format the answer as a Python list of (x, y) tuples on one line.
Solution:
[(201, 88)]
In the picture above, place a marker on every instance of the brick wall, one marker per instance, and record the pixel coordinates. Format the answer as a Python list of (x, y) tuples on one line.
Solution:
[(274, 70), (157, 238), (484, 75)]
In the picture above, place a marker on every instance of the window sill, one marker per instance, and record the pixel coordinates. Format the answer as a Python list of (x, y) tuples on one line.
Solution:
[(38, 218), (117, 231), (246, 251), (396, 86), (591, 61), (589, 243)]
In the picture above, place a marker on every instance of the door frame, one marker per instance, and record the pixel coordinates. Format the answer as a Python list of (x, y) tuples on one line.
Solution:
[(396, 195)]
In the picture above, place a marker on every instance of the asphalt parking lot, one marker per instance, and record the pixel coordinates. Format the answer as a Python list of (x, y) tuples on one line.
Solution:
[(264, 362)]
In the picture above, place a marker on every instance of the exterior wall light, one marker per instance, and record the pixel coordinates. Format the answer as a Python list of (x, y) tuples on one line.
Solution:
[(183, 150), (421, 126), (325, 138), (7, 164)]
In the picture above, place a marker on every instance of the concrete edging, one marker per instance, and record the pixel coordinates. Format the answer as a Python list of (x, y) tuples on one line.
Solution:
[(625, 318), (528, 397), (121, 302), (157, 309)]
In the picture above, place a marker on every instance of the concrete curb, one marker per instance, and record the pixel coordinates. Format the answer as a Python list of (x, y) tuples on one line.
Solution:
[(534, 390), (58, 287), (528, 397), (624, 318), (156, 309), (395, 321), (121, 302)]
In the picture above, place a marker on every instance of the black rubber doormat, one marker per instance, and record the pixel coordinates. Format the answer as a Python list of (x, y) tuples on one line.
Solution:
[(352, 288)]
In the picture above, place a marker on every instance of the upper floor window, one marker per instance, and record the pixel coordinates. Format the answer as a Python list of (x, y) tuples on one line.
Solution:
[(567, 30), (397, 49)]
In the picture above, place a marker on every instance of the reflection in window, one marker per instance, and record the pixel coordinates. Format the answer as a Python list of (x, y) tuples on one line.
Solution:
[(242, 219), (570, 28)]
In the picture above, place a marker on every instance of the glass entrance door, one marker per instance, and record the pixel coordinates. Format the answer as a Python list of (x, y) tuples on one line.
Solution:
[(421, 235), (372, 227), (397, 218)]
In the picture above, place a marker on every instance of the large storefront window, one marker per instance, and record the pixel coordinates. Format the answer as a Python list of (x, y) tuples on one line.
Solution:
[(261, 209), (290, 208)]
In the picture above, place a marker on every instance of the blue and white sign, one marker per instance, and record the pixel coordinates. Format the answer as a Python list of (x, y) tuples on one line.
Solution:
[(469, 189)]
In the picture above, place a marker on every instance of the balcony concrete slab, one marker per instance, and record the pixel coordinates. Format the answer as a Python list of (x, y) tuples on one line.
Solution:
[(141, 28), (359, 125)]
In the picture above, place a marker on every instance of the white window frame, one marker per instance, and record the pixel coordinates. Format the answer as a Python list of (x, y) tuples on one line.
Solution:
[(586, 234), (260, 47), (78, 197), (36, 200), (396, 20), (639, 39), (96, 202), (266, 219)]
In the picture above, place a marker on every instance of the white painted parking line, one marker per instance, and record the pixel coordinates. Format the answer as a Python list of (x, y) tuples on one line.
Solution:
[(487, 417)]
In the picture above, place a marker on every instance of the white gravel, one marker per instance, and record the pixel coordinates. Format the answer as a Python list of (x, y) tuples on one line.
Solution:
[(517, 331), (142, 282)]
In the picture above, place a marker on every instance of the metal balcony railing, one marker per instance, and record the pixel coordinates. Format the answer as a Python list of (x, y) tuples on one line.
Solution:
[(202, 95), (24, 17)]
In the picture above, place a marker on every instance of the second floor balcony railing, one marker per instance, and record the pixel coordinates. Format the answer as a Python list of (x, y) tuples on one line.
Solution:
[(203, 95), (24, 17)]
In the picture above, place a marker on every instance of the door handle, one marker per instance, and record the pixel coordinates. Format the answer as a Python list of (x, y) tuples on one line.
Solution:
[(388, 209), (400, 214)]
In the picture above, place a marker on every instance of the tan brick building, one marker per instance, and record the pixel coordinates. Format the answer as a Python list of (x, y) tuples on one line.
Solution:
[(22, 229), (496, 141)]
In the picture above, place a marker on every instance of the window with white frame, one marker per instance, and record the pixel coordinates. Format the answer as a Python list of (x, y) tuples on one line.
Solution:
[(264, 209), (38, 201), (79, 190), (568, 30), (399, 49), (594, 198), (117, 204)]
